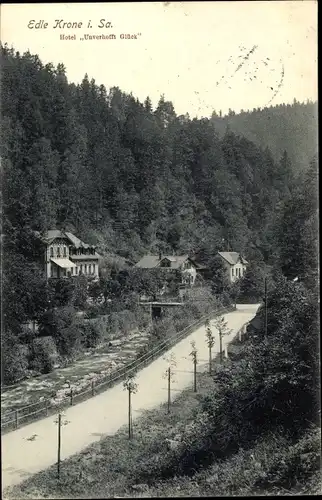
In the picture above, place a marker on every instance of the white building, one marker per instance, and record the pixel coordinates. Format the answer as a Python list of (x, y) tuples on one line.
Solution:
[(66, 255), (235, 265)]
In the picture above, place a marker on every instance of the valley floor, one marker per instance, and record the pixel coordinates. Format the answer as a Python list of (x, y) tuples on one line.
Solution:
[(33, 448)]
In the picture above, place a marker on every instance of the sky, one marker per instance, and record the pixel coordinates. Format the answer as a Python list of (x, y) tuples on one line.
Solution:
[(203, 56)]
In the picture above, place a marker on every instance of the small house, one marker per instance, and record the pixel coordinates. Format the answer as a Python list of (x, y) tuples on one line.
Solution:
[(182, 263), (235, 265)]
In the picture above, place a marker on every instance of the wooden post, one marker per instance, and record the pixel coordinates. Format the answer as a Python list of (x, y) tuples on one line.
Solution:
[(93, 388), (71, 397), (226, 352), (59, 445), (194, 375), (16, 418), (240, 335), (129, 389), (209, 360), (169, 389)]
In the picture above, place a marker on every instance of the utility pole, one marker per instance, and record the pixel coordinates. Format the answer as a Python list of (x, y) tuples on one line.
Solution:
[(130, 426), (265, 307), (59, 445), (60, 424), (169, 389)]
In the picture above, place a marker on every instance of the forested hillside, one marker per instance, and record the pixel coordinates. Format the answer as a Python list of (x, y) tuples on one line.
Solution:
[(131, 179), (290, 127)]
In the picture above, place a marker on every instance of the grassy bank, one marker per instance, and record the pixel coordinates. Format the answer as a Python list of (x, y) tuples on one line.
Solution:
[(116, 466)]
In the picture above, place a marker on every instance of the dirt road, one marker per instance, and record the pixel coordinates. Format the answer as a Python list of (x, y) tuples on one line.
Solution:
[(33, 448)]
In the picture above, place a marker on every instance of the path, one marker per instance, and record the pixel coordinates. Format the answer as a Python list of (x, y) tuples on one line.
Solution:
[(106, 412)]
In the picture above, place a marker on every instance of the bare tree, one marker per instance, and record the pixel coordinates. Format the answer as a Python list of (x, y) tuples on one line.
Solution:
[(210, 339), (131, 386), (194, 356), (223, 330), (169, 374)]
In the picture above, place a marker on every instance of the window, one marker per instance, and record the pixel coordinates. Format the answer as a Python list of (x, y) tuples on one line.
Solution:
[(85, 268), (232, 272), (58, 251), (81, 268), (239, 272), (65, 253), (51, 271), (51, 252), (72, 270), (89, 268), (93, 268)]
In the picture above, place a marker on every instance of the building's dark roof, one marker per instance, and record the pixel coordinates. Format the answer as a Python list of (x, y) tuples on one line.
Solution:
[(256, 323), (232, 257), (52, 234), (153, 261), (49, 236), (76, 241)]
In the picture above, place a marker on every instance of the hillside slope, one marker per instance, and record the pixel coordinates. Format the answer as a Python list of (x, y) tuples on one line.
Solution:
[(290, 127)]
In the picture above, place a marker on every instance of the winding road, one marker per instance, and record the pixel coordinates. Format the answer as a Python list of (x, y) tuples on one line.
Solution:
[(33, 448)]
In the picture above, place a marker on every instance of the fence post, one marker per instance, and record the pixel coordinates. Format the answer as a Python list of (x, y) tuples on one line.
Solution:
[(226, 352), (240, 335), (71, 397), (16, 418), (93, 388), (46, 405)]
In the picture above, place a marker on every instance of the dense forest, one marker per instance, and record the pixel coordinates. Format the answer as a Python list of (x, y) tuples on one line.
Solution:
[(131, 179), (290, 127)]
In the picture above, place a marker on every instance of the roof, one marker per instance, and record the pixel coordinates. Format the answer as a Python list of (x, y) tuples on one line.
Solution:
[(153, 261), (76, 241), (64, 263), (52, 234), (232, 257), (85, 257)]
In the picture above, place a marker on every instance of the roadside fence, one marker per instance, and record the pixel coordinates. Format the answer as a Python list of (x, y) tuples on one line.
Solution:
[(22, 416)]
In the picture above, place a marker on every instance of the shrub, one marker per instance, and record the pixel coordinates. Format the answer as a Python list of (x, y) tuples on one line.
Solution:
[(14, 363), (91, 334), (41, 358), (62, 325)]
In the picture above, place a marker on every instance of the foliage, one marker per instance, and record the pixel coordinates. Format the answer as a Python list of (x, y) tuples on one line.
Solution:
[(292, 127), (297, 231), (40, 359), (91, 334), (61, 324), (210, 339), (251, 285), (14, 359), (217, 273)]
